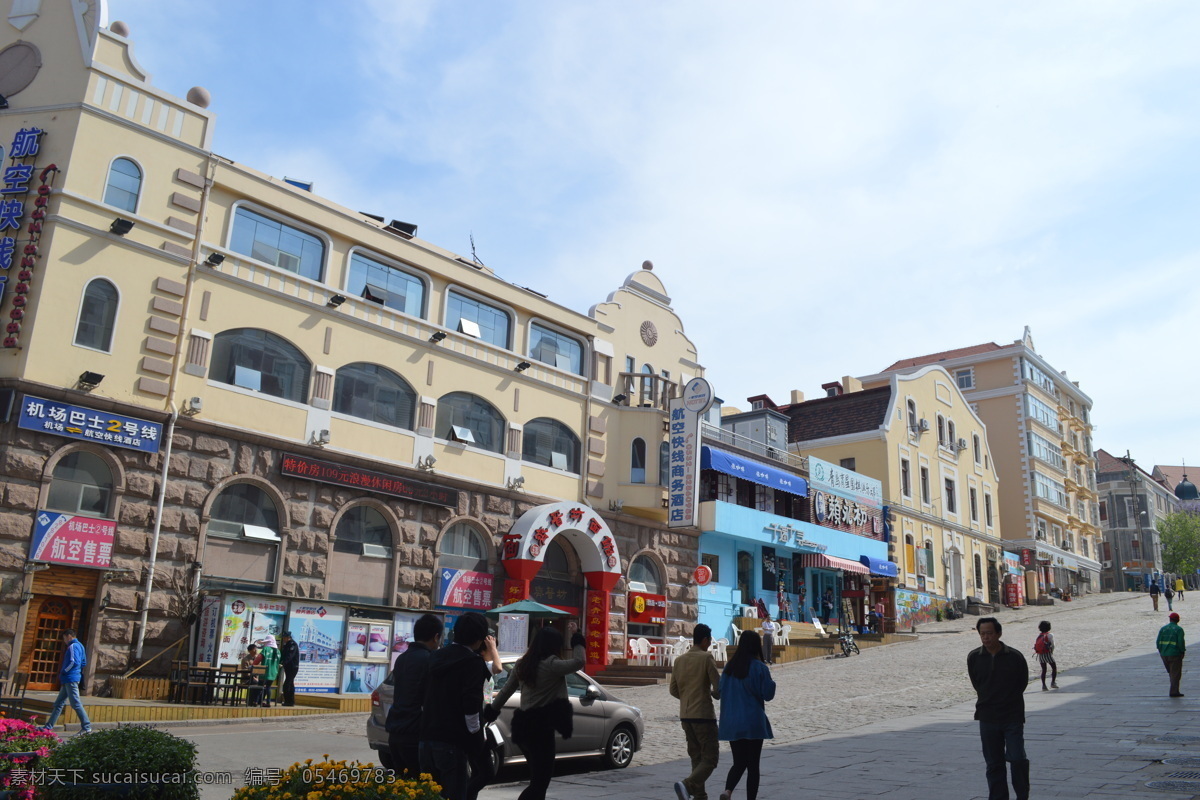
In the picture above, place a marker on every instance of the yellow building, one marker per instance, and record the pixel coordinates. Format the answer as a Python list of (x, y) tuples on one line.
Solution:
[(231, 397), (1039, 425), (919, 437)]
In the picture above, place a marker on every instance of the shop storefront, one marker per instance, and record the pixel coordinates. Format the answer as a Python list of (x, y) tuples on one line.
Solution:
[(1014, 580)]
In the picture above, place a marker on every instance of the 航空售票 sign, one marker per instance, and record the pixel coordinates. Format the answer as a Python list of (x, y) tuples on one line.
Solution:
[(72, 539), (462, 588), (89, 425)]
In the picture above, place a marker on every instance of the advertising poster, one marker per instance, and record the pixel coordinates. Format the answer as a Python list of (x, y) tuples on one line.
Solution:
[(317, 629), (402, 633), (356, 640), (363, 678), (513, 636), (241, 615), (210, 629), (379, 641), (72, 539)]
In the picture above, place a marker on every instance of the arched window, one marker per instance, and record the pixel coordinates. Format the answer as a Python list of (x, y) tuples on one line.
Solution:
[(912, 416), (941, 429), (97, 316), (462, 548), (241, 550), (124, 185), (243, 509), (551, 443), (647, 385), (363, 531), (951, 438), (277, 243), (910, 553), (260, 360), (664, 463), (467, 418), (644, 571), (376, 393), (637, 462), (977, 447), (978, 575), (387, 285), (81, 484)]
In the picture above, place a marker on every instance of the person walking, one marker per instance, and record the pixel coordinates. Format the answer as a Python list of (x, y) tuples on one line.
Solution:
[(1154, 593), (1172, 648), (268, 658), (879, 609), (1169, 595), (451, 713), (746, 687), (1179, 587), (1000, 674), (696, 683), (410, 679), (69, 676), (289, 660), (769, 629), (541, 676), (827, 607), (1043, 647)]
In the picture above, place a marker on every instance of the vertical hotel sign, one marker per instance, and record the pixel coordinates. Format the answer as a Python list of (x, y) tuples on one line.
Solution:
[(14, 191), (683, 484)]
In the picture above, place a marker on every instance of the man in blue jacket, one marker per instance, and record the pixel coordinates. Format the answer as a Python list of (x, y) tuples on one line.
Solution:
[(74, 660)]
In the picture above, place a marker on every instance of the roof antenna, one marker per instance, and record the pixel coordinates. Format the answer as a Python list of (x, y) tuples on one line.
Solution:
[(475, 257)]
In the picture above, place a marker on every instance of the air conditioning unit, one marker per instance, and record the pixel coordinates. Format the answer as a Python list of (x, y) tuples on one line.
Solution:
[(1106, 565), (961, 445), (923, 425)]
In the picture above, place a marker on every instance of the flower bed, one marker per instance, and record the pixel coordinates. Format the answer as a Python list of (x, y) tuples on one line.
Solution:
[(16, 771), (340, 780)]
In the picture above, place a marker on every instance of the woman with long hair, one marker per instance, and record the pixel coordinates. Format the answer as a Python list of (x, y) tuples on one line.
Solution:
[(746, 687), (1043, 647), (541, 677)]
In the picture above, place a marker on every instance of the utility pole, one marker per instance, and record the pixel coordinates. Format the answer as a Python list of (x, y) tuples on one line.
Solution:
[(1135, 481)]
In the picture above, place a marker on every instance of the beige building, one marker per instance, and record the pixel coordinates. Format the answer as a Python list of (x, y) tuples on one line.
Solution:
[(917, 435), (231, 398), (1040, 430)]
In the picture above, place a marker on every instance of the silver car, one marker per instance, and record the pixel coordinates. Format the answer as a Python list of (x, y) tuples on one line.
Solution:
[(604, 726)]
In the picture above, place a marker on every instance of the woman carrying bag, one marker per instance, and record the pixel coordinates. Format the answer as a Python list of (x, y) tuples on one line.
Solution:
[(540, 675), (746, 686)]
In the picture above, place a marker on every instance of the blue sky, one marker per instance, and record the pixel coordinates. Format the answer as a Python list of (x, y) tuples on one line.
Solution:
[(825, 188)]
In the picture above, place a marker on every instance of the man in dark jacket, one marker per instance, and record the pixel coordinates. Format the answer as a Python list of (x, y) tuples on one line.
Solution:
[(289, 659), (451, 715), (410, 679), (1172, 647), (1000, 675)]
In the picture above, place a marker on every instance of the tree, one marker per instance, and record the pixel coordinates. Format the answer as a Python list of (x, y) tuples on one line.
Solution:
[(1180, 536)]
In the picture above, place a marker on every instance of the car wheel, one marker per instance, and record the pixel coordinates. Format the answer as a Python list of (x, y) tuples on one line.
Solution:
[(385, 759), (497, 759), (618, 752)]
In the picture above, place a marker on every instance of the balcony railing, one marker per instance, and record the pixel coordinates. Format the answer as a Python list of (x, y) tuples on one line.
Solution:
[(712, 433), (645, 390)]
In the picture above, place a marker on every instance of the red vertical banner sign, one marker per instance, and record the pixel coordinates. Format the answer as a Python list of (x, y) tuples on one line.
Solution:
[(596, 630), (515, 591)]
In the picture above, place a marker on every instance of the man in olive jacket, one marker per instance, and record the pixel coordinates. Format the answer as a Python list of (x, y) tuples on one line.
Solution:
[(1171, 647), (694, 680)]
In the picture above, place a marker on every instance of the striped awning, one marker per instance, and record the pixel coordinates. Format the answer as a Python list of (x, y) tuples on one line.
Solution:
[(819, 561)]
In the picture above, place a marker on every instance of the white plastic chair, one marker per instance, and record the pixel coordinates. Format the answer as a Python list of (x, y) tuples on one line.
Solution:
[(786, 634), (641, 651), (718, 649), (737, 633)]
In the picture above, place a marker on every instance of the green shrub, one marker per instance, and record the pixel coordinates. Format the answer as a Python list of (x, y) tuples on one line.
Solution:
[(155, 763), (16, 772)]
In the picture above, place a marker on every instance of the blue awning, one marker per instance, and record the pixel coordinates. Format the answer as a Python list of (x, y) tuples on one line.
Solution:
[(879, 566), (712, 458)]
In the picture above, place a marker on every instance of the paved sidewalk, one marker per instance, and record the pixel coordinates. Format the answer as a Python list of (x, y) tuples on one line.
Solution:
[(1100, 735)]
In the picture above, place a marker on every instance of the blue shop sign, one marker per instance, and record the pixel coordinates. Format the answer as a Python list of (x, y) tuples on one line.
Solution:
[(879, 566), (89, 425), (712, 458)]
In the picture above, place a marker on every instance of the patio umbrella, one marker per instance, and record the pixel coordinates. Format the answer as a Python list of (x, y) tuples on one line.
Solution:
[(533, 608)]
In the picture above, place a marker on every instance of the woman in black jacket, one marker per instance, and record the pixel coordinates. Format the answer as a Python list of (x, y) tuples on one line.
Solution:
[(541, 676)]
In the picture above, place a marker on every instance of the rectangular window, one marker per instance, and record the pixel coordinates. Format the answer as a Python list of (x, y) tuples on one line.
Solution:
[(764, 498), (965, 378), (1104, 511), (277, 244), (1038, 378), (910, 555), (848, 463), (974, 505), (1050, 489), (925, 498), (725, 487), (951, 500), (490, 322), (713, 562), (1041, 529), (602, 368), (905, 478), (1041, 412), (987, 510), (384, 284), (1042, 448), (630, 364), (553, 348)]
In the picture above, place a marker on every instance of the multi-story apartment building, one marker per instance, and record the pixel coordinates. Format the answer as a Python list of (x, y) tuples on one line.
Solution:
[(1131, 505), (228, 397), (1040, 430), (919, 438)]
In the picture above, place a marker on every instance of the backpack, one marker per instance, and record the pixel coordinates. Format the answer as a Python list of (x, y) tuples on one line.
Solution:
[(1041, 644)]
